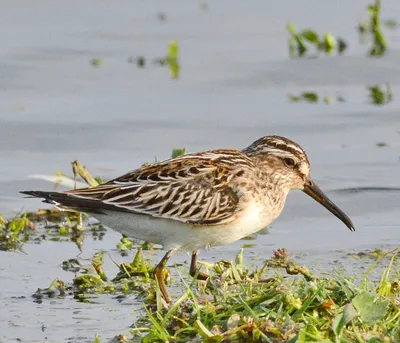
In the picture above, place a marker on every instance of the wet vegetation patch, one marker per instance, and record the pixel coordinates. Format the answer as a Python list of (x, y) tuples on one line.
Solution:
[(15, 231), (248, 307), (90, 280), (47, 224), (280, 302)]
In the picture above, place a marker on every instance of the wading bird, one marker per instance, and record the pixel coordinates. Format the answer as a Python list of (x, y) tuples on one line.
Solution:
[(200, 200)]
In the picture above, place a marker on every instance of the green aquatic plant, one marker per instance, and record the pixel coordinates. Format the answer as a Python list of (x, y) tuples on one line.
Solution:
[(372, 30), (300, 42), (46, 224), (314, 98), (171, 60), (96, 62), (15, 231), (379, 95)]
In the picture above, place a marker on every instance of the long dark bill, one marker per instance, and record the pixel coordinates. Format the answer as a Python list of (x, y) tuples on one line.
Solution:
[(311, 189)]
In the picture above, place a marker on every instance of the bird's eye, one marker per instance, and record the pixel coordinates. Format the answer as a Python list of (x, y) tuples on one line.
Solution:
[(289, 162)]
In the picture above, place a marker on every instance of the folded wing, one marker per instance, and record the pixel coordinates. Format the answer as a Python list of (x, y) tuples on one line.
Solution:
[(195, 188)]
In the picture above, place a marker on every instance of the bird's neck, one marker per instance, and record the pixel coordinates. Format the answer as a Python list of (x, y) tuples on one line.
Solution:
[(274, 189)]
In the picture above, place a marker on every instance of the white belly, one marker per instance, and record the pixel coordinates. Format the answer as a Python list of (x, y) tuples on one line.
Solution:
[(172, 234)]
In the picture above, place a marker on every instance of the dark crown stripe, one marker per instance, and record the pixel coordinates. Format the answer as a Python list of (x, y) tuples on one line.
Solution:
[(276, 142)]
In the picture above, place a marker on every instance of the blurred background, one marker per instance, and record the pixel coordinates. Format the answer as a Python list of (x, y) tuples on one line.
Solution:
[(115, 84)]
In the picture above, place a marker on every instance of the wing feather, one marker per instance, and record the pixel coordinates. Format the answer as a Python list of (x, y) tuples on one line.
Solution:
[(193, 188)]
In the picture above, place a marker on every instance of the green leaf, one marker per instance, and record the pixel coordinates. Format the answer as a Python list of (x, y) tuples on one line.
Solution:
[(202, 330), (329, 43), (291, 29), (151, 337), (173, 50), (341, 320), (88, 282), (178, 152), (310, 333), (310, 35), (3, 221), (370, 307)]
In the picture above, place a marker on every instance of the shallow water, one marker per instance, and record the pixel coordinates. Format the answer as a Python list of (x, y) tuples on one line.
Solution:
[(55, 108)]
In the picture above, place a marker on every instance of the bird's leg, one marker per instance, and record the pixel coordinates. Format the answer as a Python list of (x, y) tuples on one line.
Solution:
[(159, 275), (193, 271)]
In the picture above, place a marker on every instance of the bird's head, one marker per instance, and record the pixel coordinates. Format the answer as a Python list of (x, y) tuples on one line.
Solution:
[(287, 164)]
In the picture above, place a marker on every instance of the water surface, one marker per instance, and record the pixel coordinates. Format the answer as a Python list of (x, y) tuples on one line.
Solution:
[(55, 108)]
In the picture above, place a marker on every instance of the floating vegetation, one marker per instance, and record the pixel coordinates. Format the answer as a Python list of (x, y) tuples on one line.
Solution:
[(314, 98), (372, 30), (141, 62), (92, 280), (380, 96), (96, 62), (382, 145), (171, 60), (14, 232), (46, 224), (377, 95), (299, 43)]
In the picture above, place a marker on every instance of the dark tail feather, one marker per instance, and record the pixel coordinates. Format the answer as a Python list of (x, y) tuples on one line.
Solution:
[(39, 194), (69, 201)]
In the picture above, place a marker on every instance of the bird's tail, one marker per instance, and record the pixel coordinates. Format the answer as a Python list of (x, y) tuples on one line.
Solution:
[(70, 201)]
